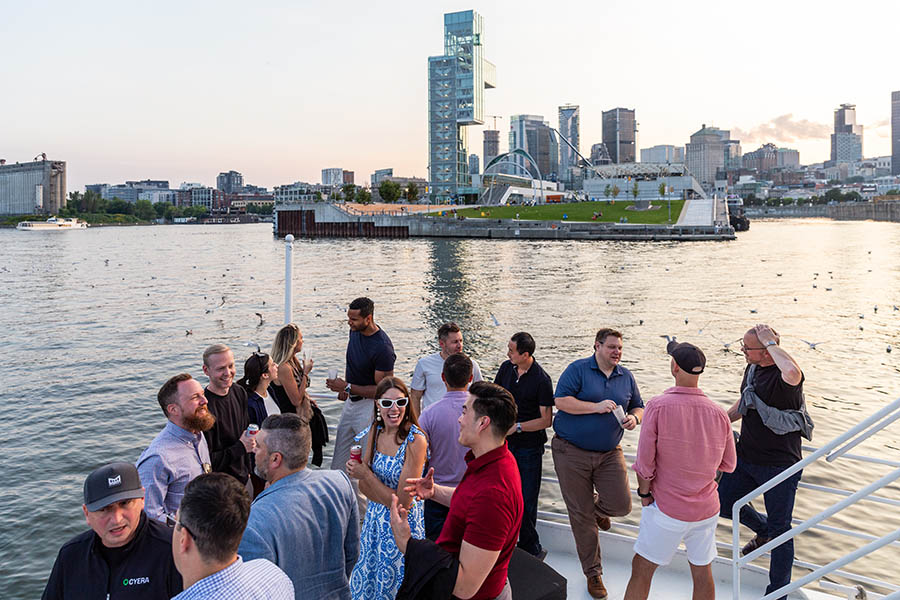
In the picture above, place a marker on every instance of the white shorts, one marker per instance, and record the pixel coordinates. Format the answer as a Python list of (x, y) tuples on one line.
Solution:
[(660, 535)]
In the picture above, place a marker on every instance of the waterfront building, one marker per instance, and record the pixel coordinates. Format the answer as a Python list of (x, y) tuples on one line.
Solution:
[(847, 139), (97, 188), (763, 159), (333, 177), (37, 187), (705, 155), (473, 165), (491, 145), (379, 175), (620, 134), (600, 155), (787, 158), (212, 199), (600, 181), (662, 154), (570, 128), (534, 135), (230, 182), (158, 195), (403, 182), (456, 83), (895, 133), (348, 177), (121, 192), (294, 193)]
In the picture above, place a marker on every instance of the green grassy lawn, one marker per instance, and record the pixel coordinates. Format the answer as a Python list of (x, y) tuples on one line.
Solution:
[(577, 211)]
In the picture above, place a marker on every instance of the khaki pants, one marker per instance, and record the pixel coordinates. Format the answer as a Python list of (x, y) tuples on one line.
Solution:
[(580, 472)]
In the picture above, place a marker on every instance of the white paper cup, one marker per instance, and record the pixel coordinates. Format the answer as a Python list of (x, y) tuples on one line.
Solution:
[(332, 373), (620, 414)]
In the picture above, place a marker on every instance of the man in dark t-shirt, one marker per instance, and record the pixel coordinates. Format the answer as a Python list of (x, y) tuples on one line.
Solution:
[(228, 440), (764, 454), (532, 390)]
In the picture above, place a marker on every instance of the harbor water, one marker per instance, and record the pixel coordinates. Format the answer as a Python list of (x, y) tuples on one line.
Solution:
[(93, 322)]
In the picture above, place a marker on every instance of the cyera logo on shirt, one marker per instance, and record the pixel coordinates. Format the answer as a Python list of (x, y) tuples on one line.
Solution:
[(136, 581)]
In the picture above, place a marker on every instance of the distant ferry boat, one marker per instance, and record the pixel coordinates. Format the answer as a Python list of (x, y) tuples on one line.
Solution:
[(51, 224)]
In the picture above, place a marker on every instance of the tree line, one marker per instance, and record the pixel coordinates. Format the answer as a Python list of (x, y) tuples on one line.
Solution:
[(91, 203)]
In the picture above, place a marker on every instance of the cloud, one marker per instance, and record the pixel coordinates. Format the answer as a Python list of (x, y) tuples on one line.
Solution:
[(878, 124), (783, 129)]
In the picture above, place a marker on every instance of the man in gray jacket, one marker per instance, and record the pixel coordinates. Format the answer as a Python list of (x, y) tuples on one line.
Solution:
[(306, 522)]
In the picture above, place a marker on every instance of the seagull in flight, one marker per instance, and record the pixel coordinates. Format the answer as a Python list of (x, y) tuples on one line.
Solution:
[(494, 319), (209, 310), (253, 345), (812, 345), (261, 320)]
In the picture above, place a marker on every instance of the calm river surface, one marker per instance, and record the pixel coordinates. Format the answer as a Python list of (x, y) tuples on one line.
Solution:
[(93, 322)]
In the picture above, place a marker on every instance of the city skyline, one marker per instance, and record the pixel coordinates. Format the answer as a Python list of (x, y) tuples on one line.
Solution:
[(197, 89)]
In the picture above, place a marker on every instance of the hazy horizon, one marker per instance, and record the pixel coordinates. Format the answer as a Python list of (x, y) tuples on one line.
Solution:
[(183, 91)]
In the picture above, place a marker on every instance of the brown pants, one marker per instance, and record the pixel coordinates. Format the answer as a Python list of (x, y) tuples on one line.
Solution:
[(580, 472)]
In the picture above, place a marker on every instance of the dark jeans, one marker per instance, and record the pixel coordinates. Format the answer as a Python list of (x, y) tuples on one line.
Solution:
[(435, 515), (779, 503), (530, 468)]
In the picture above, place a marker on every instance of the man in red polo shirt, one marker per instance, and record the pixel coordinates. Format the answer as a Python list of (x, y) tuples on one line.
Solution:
[(486, 507)]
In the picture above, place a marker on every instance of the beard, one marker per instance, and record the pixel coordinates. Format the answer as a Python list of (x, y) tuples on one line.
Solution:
[(260, 472), (200, 423)]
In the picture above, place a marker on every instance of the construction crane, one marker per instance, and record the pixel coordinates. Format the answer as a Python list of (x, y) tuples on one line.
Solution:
[(495, 117)]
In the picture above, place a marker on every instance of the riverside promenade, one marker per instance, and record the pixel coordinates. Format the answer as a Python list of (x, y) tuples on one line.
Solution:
[(701, 220)]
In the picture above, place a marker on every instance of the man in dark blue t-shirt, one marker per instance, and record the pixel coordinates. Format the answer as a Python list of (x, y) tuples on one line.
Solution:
[(370, 358), (586, 451)]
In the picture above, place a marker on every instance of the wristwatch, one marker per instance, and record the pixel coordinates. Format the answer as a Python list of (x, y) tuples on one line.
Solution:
[(771, 343), (518, 428), (647, 495), (347, 388)]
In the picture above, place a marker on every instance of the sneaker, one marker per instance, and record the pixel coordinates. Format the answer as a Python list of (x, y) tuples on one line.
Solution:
[(753, 544), (596, 588), (541, 555)]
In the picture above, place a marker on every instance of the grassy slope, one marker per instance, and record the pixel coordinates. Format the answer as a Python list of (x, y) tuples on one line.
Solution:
[(578, 211)]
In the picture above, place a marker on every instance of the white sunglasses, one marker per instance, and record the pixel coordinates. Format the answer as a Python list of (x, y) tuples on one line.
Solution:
[(389, 402)]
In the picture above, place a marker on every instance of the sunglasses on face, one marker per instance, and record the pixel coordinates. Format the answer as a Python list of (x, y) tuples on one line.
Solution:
[(389, 402)]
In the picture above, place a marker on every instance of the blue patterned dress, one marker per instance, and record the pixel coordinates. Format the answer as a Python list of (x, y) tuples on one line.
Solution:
[(379, 571)]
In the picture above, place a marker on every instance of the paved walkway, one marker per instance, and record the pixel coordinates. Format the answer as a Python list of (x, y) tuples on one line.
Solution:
[(698, 211)]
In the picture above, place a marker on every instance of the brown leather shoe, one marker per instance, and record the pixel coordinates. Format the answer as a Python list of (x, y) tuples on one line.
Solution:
[(604, 523), (753, 544), (596, 588)]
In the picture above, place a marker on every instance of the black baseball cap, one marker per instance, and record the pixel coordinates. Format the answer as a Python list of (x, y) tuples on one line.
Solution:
[(112, 483), (688, 357)]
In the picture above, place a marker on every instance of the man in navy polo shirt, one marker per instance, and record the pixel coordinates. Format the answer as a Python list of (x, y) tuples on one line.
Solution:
[(586, 451)]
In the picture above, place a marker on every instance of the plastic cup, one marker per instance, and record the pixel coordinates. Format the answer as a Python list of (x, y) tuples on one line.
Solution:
[(620, 414), (332, 373)]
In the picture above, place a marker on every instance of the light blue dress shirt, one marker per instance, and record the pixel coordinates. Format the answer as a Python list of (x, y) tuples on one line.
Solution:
[(252, 580)]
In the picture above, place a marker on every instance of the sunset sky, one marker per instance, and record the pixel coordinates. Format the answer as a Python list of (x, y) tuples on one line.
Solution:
[(278, 91)]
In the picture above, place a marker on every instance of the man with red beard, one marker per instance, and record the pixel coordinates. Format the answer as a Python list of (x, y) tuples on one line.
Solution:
[(179, 453)]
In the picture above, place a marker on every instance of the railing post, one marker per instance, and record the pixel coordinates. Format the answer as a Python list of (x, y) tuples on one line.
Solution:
[(288, 279)]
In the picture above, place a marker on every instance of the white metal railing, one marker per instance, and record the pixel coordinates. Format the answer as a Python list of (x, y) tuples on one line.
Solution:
[(830, 451)]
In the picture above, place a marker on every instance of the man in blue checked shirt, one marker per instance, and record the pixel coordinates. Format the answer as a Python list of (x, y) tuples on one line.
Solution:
[(179, 453), (208, 530)]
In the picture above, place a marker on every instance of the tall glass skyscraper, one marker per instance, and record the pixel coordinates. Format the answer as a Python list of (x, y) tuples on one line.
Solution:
[(847, 139), (532, 134), (456, 84), (569, 127)]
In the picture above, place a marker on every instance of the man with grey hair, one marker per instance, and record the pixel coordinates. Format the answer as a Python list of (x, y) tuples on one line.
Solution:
[(306, 522)]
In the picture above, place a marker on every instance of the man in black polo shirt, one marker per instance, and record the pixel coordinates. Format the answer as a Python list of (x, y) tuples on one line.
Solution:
[(533, 391), (229, 443), (762, 453), (370, 358), (125, 554)]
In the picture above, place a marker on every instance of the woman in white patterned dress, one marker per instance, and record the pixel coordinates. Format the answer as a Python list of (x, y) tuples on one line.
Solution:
[(394, 449)]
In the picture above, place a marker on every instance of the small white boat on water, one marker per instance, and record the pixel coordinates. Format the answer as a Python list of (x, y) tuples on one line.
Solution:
[(52, 224)]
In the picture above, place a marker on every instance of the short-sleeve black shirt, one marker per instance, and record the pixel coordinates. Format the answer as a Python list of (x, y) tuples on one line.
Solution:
[(367, 354), (759, 445), (531, 391)]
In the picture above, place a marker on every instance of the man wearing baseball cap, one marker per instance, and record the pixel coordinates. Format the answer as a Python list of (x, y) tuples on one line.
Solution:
[(685, 439), (125, 554)]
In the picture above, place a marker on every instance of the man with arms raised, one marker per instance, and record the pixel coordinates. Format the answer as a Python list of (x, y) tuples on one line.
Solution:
[(125, 554), (485, 508), (179, 452), (531, 387), (208, 529), (774, 417), (427, 385), (229, 442), (586, 451), (306, 522), (685, 439), (370, 358)]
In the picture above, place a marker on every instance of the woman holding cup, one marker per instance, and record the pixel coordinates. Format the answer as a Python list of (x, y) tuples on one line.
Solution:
[(293, 375)]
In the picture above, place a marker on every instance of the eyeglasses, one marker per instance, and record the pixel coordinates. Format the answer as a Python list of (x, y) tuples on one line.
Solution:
[(389, 402), (745, 348)]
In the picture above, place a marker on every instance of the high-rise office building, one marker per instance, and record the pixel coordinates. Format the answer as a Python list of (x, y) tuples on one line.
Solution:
[(456, 83), (473, 165), (491, 146), (532, 134), (37, 187), (895, 133), (600, 155), (662, 154), (230, 182), (710, 150), (333, 176), (348, 177), (569, 128), (847, 139), (620, 134)]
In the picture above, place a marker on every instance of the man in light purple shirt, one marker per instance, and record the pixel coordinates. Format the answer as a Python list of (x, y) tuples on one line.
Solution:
[(440, 423), (685, 439)]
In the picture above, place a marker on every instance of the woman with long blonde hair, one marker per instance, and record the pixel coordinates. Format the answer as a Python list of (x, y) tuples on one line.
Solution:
[(293, 374)]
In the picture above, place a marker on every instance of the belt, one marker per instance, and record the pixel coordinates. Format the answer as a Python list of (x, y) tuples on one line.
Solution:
[(357, 398)]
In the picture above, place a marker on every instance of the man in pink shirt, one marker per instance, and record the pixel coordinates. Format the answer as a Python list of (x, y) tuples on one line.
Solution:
[(685, 439)]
